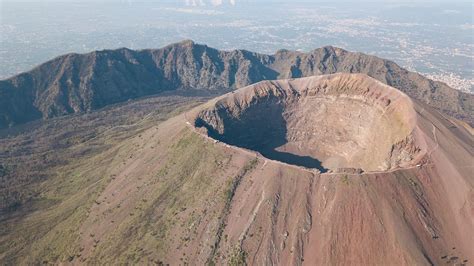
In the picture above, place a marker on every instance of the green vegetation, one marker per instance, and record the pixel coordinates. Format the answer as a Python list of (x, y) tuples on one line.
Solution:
[(175, 191), (4, 170), (55, 191), (412, 182), (53, 174), (237, 257), (52, 229), (345, 179), (234, 182)]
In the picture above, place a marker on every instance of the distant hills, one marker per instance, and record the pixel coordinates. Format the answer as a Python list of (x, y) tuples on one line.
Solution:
[(76, 83)]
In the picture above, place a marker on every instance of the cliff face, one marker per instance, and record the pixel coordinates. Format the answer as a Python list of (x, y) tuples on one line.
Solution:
[(328, 122), (77, 83)]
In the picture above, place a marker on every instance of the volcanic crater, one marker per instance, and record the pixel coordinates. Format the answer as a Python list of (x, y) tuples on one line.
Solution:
[(330, 123)]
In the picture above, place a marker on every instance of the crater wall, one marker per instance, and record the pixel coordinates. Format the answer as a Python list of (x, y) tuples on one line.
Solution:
[(324, 122)]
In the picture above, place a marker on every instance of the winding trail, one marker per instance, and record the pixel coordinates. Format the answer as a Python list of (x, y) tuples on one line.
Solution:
[(252, 218)]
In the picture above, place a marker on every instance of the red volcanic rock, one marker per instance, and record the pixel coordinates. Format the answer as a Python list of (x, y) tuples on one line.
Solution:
[(411, 205)]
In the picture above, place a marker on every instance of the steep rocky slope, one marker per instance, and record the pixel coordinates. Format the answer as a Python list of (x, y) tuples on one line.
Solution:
[(170, 194), (76, 83), (412, 203)]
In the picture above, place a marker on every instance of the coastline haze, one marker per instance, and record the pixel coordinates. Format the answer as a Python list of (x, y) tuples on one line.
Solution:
[(436, 42)]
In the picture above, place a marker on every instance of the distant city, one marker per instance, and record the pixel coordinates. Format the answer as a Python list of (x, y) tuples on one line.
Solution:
[(433, 39)]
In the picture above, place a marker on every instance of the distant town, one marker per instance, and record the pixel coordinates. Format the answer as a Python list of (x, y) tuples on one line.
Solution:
[(435, 42)]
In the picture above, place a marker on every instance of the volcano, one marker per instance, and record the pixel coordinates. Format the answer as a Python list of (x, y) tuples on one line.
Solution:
[(349, 165), (336, 169)]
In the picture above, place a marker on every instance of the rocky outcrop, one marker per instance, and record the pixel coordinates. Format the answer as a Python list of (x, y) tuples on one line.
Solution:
[(76, 83)]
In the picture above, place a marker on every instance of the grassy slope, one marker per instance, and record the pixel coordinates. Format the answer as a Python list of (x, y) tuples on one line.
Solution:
[(184, 182), (45, 200), (174, 201)]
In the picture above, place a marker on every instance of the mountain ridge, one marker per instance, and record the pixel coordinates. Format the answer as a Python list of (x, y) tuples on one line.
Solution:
[(76, 83)]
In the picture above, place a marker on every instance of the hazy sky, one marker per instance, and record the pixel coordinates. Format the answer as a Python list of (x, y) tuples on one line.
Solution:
[(244, 1), (429, 36)]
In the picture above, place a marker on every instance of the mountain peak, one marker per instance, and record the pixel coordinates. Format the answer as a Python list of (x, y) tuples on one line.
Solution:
[(187, 42), (333, 49)]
